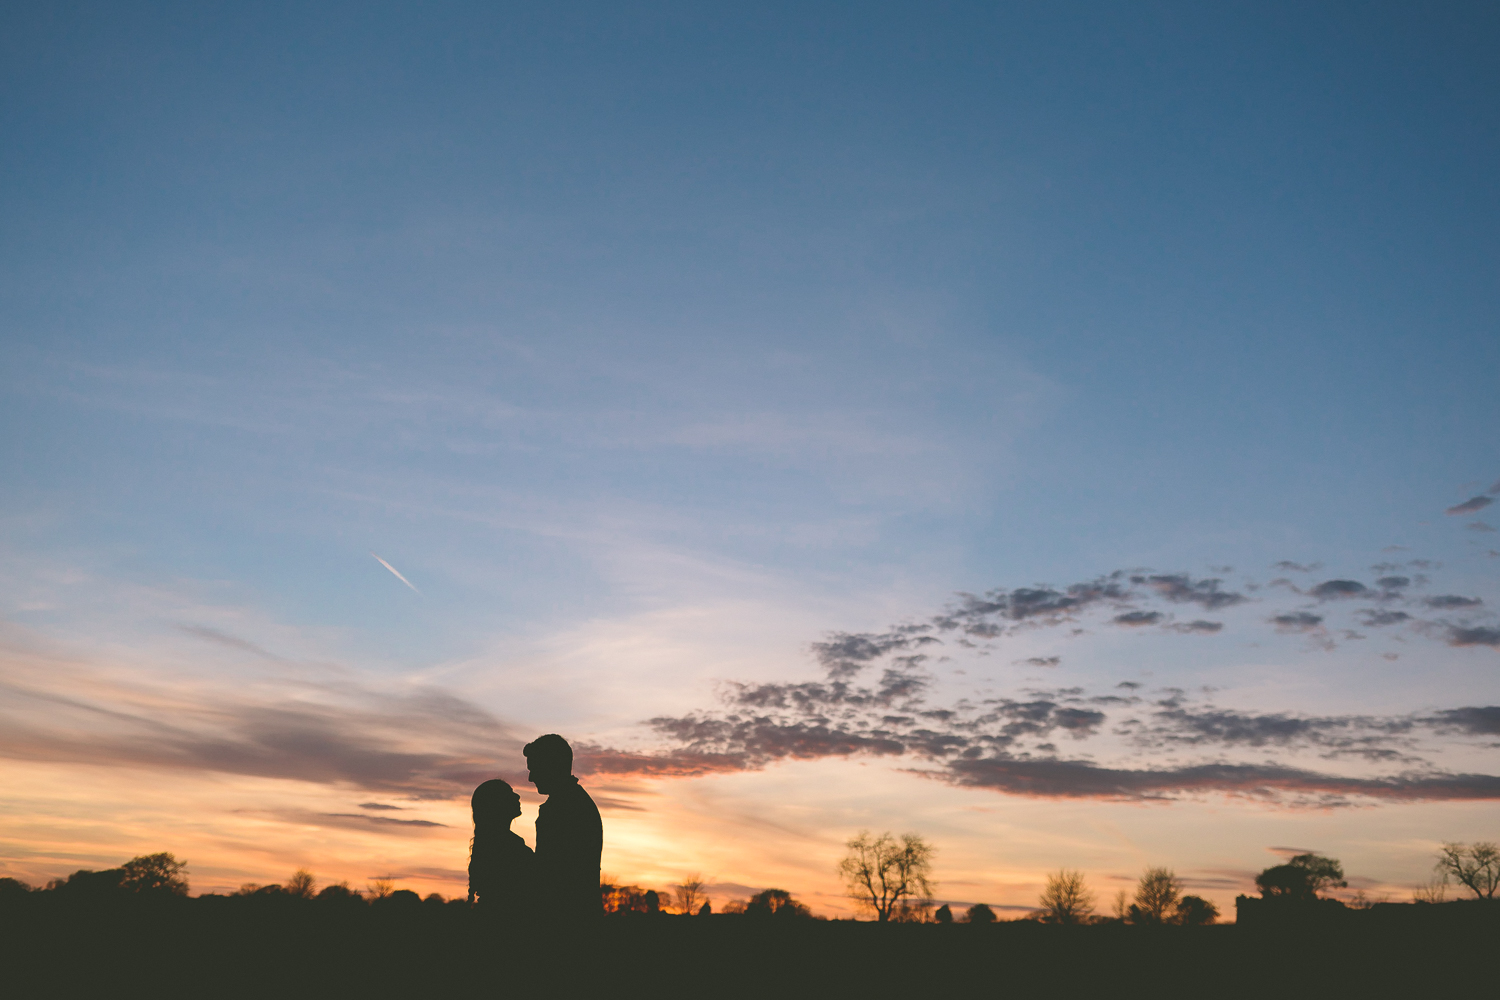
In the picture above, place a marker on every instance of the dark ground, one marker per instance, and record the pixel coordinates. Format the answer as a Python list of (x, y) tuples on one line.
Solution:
[(226, 949)]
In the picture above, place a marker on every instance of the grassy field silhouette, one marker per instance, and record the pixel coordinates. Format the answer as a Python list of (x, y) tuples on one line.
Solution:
[(278, 944)]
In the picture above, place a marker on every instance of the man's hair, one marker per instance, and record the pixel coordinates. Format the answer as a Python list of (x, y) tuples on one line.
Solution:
[(549, 751)]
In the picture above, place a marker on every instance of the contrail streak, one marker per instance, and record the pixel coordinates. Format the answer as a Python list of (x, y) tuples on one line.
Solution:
[(396, 571)]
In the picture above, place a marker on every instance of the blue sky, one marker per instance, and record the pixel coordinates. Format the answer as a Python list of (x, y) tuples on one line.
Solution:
[(654, 344)]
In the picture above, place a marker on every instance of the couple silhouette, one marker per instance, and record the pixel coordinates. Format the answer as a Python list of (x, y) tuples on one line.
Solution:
[(559, 881)]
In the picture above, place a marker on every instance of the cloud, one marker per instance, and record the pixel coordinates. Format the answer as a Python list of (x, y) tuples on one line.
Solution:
[(1449, 601), (1084, 779), (414, 741), (378, 805), (977, 615), (1473, 720), (736, 743), (1042, 661), (1174, 724), (1335, 589), (1479, 526), (1393, 582), (1077, 721), (1478, 636), (218, 638), (1291, 567), (1198, 627), (1138, 618), (383, 820), (1291, 852), (1296, 621), (1470, 506), (1372, 618), (385, 825), (844, 654), (1180, 588)]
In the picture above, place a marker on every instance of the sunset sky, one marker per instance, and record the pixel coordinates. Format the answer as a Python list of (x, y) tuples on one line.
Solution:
[(1065, 431)]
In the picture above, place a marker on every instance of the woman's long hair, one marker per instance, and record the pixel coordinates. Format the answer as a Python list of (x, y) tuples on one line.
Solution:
[(489, 803)]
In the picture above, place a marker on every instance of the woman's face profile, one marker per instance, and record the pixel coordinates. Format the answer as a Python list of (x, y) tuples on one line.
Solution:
[(496, 801)]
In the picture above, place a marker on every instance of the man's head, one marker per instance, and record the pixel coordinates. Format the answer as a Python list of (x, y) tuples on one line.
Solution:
[(549, 761)]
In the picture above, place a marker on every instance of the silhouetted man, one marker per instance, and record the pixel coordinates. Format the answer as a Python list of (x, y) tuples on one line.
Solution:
[(569, 834)]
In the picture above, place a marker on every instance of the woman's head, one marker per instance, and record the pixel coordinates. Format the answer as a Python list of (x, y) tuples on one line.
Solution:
[(495, 801)]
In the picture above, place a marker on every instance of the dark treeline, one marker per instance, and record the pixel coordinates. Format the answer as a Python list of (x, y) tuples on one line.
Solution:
[(135, 931)]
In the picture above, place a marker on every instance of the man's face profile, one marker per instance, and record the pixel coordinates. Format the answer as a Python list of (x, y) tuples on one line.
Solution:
[(543, 774)]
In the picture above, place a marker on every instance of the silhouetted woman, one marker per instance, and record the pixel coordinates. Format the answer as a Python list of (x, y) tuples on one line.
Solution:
[(502, 869)]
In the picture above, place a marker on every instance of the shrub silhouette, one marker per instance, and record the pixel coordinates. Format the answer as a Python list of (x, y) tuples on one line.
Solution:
[(1301, 878), (776, 903), (13, 888), (88, 884), (979, 913), (623, 898), (1195, 911), (340, 894), (154, 874)]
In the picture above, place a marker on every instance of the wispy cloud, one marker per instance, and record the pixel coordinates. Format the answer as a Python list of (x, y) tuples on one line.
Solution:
[(418, 742), (217, 637), (1083, 779), (1470, 506)]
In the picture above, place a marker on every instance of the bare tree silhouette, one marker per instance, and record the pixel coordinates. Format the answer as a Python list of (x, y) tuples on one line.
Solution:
[(301, 884), (1066, 899), (689, 895), (1475, 866), (881, 872), (1155, 896), (1434, 890)]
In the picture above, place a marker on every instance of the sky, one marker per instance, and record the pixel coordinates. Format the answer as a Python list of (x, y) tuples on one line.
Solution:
[(1067, 432)]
